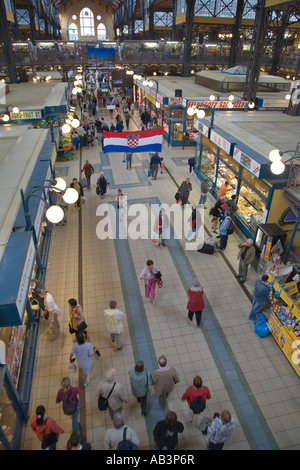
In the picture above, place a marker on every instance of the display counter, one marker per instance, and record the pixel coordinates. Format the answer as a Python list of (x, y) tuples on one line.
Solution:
[(284, 321)]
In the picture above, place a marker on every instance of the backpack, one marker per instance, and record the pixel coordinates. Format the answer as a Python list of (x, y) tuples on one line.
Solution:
[(125, 444), (197, 405), (231, 228), (69, 404)]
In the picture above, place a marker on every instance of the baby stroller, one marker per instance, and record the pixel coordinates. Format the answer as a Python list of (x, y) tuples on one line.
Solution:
[(158, 279)]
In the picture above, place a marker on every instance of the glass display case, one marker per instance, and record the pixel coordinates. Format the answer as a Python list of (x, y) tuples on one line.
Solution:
[(227, 171), (252, 199)]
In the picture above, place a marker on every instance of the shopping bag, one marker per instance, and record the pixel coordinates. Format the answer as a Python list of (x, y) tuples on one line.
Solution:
[(261, 326), (149, 172), (83, 182)]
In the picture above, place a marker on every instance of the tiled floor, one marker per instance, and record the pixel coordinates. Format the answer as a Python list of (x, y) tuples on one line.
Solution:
[(245, 374)]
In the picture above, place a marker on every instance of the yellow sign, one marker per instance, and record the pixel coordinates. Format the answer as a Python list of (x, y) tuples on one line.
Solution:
[(287, 341)]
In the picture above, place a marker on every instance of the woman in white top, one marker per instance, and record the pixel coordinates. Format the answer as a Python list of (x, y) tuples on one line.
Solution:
[(54, 313)]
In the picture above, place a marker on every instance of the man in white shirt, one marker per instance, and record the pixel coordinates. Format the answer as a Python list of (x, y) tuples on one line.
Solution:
[(115, 435)]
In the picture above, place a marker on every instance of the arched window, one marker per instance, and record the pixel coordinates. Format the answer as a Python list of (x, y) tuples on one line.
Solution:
[(73, 32), (101, 32), (87, 26)]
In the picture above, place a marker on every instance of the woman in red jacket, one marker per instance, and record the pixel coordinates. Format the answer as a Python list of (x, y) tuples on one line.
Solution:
[(195, 302), (194, 391), (43, 426)]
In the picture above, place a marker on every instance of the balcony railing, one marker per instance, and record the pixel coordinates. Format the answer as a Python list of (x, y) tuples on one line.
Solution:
[(54, 53)]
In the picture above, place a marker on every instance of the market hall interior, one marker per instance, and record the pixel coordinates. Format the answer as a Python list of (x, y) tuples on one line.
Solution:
[(246, 374)]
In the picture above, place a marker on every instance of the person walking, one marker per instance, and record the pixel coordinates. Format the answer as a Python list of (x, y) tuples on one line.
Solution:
[(147, 275), (261, 296), (184, 191), (223, 231), (161, 226), (127, 117), (246, 256), (53, 311), (117, 396), (145, 118), (204, 188), (77, 321), (121, 203), (88, 170), (76, 185), (191, 394), (191, 163), (45, 428), (166, 432), (140, 381), (220, 429), (76, 444), (128, 160), (195, 303), (84, 353), (114, 436), (154, 163), (196, 222), (119, 126), (113, 322), (102, 184), (164, 378), (71, 405)]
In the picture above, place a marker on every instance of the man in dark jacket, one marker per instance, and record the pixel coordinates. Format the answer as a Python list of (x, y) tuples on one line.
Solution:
[(261, 296), (246, 255), (145, 118), (154, 162), (166, 432)]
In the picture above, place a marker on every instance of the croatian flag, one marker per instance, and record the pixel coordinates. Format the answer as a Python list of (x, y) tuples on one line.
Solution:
[(133, 141)]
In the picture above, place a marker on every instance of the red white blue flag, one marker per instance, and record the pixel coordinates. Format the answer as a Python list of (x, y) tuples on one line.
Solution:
[(133, 141)]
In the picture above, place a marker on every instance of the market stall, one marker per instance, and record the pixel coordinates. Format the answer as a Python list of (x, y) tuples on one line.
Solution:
[(284, 320), (222, 157)]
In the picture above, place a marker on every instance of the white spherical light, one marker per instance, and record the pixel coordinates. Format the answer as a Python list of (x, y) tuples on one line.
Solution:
[(5, 117), (60, 185), (55, 214), (75, 123), (277, 167), (190, 112), (15, 109), (66, 129), (274, 155), (201, 113), (70, 196)]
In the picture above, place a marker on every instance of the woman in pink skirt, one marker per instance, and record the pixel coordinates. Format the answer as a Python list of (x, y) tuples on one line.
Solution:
[(147, 275)]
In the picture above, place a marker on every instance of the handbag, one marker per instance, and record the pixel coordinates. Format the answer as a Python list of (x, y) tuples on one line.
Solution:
[(97, 190), (82, 326), (34, 304), (49, 440), (103, 402)]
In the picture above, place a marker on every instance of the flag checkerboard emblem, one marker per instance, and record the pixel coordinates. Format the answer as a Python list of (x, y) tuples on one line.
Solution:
[(133, 140)]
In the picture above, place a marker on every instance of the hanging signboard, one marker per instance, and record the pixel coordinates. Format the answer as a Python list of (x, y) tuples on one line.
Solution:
[(247, 162), (26, 115), (218, 104)]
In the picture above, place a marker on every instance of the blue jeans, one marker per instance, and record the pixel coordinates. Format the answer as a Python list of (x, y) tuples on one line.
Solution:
[(203, 198), (223, 241), (256, 308), (75, 425)]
